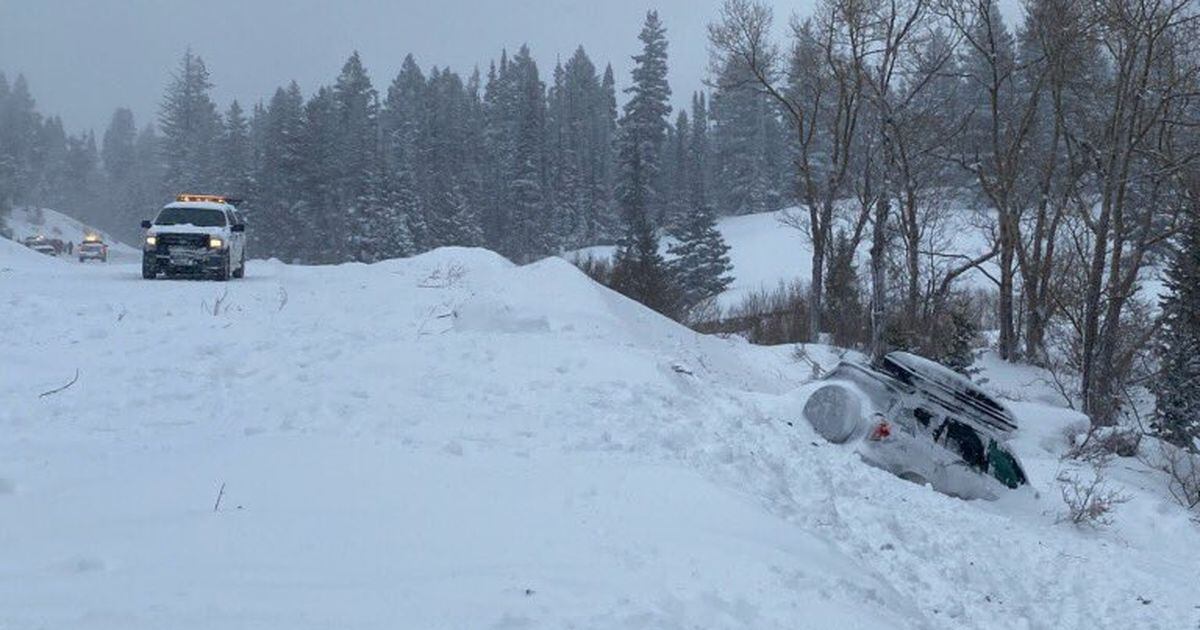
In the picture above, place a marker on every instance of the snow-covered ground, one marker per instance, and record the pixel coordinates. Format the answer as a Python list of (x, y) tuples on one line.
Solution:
[(451, 441), (766, 252), (27, 221)]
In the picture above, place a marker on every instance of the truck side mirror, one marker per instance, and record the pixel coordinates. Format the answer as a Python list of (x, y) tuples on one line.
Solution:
[(238, 227), (146, 225)]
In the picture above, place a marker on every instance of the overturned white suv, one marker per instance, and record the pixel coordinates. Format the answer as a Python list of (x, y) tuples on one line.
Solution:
[(197, 235), (921, 421)]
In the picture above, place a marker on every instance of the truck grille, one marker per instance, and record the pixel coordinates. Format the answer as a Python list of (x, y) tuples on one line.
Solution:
[(167, 241)]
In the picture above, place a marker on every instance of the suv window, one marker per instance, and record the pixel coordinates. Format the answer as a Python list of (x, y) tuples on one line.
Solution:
[(199, 217)]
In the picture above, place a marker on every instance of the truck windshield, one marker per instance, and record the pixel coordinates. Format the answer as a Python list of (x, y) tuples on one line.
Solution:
[(199, 217)]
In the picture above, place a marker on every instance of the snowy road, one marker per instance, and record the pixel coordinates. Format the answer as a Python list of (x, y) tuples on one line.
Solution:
[(454, 442)]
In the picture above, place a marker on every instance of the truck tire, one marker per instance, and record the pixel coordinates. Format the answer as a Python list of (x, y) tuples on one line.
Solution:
[(223, 272), (149, 268)]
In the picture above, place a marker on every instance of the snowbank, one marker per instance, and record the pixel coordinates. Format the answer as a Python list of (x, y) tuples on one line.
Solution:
[(454, 441)]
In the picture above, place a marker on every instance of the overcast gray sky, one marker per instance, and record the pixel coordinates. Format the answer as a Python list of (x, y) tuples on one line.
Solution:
[(84, 58)]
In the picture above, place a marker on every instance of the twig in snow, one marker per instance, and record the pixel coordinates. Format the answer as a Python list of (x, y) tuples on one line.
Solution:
[(59, 389), (283, 298), (218, 307), (220, 494)]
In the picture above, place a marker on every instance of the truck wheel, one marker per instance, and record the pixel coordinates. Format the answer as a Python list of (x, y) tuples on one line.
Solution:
[(240, 272), (223, 272), (149, 268)]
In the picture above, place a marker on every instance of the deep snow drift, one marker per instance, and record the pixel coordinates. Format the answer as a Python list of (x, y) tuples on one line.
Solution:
[(451, 441)]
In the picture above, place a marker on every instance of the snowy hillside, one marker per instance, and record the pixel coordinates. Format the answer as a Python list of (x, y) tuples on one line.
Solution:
[(451, 441), (765, 252), (25, 222)]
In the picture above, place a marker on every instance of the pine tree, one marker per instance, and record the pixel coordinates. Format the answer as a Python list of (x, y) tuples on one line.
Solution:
[(403, 120), (236, 159), (50, 166), (582, 151), (147, 196), (843, 299), (319, 208), (749, 152), (530, 238), (7, 164), (701, 267), (698, 157), (451, 216), (118, 152), (191, 128), (19, 130), (354, 221), (281, 179), (1177, 388), (639, 270), (677, 177), (643, 126), (608, 218)]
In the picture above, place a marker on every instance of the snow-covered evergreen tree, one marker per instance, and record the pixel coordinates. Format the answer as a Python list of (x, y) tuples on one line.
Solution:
[(235, 161), (701, 267), (282, 179), (748, 146), (639, 270), (676, 176), (698, 155), (604, 199), (1177, 418), (19, 129), (530, 237), (403, 122), (191, 128), (354, 222), (643, 127)]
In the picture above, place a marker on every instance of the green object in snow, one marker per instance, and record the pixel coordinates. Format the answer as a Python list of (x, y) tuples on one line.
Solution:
[(1003, 467)]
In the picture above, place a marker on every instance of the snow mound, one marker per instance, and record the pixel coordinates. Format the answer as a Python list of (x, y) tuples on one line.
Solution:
[(14, 256), (455, 441)]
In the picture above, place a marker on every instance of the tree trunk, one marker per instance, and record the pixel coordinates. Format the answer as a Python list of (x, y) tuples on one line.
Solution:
[(1007, 250), (816, 290), (878, 286)]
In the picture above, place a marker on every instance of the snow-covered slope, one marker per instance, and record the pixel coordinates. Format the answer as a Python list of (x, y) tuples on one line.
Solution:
[(766, 252), (451, 441), (26, 221)]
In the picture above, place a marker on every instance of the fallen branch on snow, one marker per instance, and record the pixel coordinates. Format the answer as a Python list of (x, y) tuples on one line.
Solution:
[(59, 389)]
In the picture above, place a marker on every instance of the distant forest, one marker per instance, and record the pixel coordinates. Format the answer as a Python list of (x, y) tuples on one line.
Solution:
[(507, 158)]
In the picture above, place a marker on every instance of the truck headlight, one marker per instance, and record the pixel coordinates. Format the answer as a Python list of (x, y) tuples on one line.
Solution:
[(151, 240), (215, 243)]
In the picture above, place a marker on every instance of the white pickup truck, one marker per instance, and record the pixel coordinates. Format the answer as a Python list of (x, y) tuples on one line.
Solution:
[(196, 235)]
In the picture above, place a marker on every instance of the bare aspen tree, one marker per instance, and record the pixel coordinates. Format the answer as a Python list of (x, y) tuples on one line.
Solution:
[(819, 89), (995, 148), (1137, 154)]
